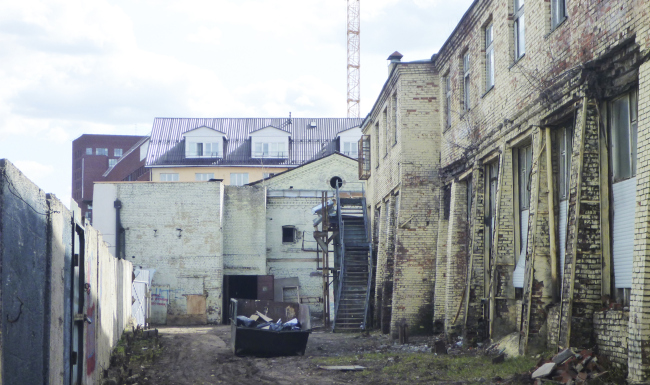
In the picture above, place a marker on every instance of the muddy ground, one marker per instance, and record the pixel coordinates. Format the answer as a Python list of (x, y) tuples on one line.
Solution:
[(201, 355)]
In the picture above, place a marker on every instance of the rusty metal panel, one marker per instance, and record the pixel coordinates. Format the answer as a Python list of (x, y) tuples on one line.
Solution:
[(265, 287)]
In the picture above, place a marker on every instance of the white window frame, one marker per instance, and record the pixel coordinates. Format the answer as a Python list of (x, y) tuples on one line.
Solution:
[(466, 82), (238, 179), (101, 151), (202, 177), (351, 149), (169, 177), (519, 29), (204, 149), (624, 140), (489, 57), (268, 149), (558, 12), (117, 152), (113, 161)]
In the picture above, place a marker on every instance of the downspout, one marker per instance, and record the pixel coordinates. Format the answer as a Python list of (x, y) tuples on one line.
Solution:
[(118, 229), (551, 215)]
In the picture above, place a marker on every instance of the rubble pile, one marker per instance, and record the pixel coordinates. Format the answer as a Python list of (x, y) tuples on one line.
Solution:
[(568, 367), (262, 322)]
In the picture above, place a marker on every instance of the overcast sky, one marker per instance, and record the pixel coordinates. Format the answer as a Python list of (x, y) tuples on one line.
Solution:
[(69, 67)]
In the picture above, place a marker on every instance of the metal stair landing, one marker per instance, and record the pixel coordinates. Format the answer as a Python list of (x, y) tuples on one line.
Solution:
[(353, 254)]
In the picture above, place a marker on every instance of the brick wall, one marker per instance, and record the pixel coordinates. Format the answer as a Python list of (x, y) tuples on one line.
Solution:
[(610, 334), (405, 165), (175, 228), (244, 230), (598, 52)]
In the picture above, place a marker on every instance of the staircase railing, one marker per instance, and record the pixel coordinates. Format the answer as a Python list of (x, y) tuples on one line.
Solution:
[(369, 252), (341, 246)]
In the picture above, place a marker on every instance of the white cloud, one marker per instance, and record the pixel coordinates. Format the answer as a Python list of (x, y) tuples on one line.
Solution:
[(69, 67), (34, 170)]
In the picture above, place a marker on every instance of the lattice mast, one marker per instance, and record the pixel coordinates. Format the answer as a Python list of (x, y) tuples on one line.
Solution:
[(354, 62)]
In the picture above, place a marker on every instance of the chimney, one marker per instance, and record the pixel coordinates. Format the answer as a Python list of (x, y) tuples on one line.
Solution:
[(394, 58)]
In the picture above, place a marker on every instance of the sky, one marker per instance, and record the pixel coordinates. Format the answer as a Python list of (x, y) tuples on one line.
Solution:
[(73, 67)]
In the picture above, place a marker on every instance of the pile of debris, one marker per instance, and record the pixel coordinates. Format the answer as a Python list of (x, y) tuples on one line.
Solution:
[(567, 367), (260, 321)]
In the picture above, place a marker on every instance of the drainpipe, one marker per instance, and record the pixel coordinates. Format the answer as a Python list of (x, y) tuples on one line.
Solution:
[(118, 229)]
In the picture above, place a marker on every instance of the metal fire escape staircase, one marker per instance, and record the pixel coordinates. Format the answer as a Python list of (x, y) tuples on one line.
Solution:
[(353, 258)]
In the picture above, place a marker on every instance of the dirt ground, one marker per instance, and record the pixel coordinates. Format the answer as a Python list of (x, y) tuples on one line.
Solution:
[(201, 355)]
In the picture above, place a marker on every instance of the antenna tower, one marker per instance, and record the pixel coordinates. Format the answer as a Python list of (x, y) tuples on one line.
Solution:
[(354, 62)]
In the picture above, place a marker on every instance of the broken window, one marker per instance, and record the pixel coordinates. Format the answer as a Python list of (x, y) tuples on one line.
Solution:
[(558, 12), (288, 234), (519, 29), (489, 58), (466, 99)]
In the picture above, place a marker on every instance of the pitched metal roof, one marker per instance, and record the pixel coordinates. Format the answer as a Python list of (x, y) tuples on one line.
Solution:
[(306, 142)]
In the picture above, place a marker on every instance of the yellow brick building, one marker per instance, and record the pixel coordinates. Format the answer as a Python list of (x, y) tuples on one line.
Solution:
[(537, 140)]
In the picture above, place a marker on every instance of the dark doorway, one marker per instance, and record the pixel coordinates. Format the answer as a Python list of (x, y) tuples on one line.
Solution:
[(237, 286), (245, 287)]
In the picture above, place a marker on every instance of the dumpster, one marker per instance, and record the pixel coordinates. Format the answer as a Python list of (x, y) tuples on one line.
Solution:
[(265, 342)]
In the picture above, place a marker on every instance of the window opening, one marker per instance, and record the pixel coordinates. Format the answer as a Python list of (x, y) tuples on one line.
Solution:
[(336, 182), (394, 113), (519, 29), (112, 163), (204, 176), (558, 12), (238, 179), (169, 177), (101, 151), (489, 58), (448, 88), (524, 163), (288, 234), (466, 98), (117, 152), (89, 150)]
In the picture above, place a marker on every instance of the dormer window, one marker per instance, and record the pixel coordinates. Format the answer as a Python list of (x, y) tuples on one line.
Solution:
[(270, 150), (204, 149), (204, 142), (348, 142), (270, 142)]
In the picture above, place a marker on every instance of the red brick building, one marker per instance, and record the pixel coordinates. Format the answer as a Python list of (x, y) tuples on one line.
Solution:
[(92, 157)]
